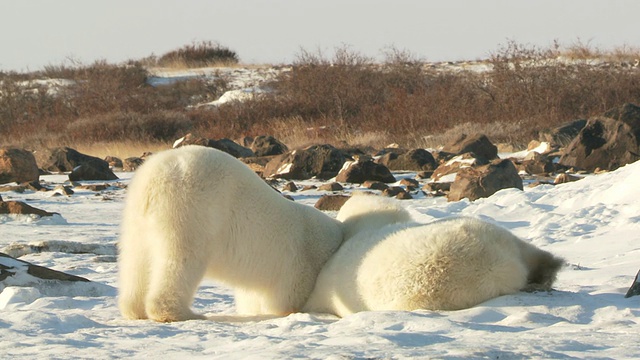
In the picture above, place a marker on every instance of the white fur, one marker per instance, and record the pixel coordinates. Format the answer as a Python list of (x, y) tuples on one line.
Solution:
[(196, 211), (402, 265)]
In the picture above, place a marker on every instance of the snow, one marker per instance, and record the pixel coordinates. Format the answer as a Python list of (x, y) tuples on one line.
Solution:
[(593, 223)]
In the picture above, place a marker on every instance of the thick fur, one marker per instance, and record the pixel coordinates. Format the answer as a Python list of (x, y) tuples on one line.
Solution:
[(445, 265), (193, 212)]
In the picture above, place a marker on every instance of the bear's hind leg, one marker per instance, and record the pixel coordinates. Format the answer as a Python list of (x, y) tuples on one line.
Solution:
[(133, 283), (174, 282)]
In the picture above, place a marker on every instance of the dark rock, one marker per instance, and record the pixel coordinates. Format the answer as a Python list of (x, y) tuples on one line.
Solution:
[(361, 171), (484, 181), (334, 186), (412, 160), (267, 146), (231, 147), (36, 271), (410, 183), (424, 174), (132, 163), (564, 134), (478, 144), (404, 196), (63, 190), (442, 156), (321, 161), (246, 141), (536, 164), (375, 185), (565, 178), (65, 159), (634, 289), (390, 150), (227, 145), (17, 165), (437, 187), (191, 139), (257, 163), (290, 186), (114, 162), (393, 191), (35, 186), (604, 143), (94, 187), (331, 202), (456, 163), (20, 208), (92, 171)]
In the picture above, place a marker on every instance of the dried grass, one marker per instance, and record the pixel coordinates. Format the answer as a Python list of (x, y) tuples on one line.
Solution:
[(346, 100)]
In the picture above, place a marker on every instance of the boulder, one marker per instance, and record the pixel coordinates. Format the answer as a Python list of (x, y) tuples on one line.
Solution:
[(92, 171), (17, 165), (361, 171), (565, 178), (191, 139), (227, 145), (114, 162), (267, 146), (484, 181), (410, 184), (478, 144), (20, 208), (403, 195), (634, 289), (331, 202), (290, 186), (564, 134), (412, 160), (393, 191), (20, 280), (333, 186), (605, 143), (81, 166), (375, 185), (132, 163), (64, 159), (456, 163), (231, 147), (10, 265), (321, 161), (434, 187), (536, 164)]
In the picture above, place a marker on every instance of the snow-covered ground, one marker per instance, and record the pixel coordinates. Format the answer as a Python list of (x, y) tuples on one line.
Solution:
[(594, 223)]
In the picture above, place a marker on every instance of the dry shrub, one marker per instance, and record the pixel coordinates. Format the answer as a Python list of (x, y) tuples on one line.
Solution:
[(122, 126), (198, 54), (121, 149), (349, 96), (343, 99)]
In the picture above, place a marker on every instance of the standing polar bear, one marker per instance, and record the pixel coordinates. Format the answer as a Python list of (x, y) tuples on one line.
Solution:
[(388, 262), (195, 211)]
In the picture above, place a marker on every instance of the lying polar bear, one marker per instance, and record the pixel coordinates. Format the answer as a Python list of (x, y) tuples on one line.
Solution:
[(195, 211), (388, 262)]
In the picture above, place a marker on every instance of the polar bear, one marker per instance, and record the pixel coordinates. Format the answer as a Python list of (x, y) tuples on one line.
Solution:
[(388, 262), (195, 211)]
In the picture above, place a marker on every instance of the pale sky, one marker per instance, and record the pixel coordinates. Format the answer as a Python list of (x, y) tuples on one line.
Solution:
[(35, 33)]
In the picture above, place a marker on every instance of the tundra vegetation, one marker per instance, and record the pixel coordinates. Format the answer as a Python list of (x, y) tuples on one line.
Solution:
[(347, 99)]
